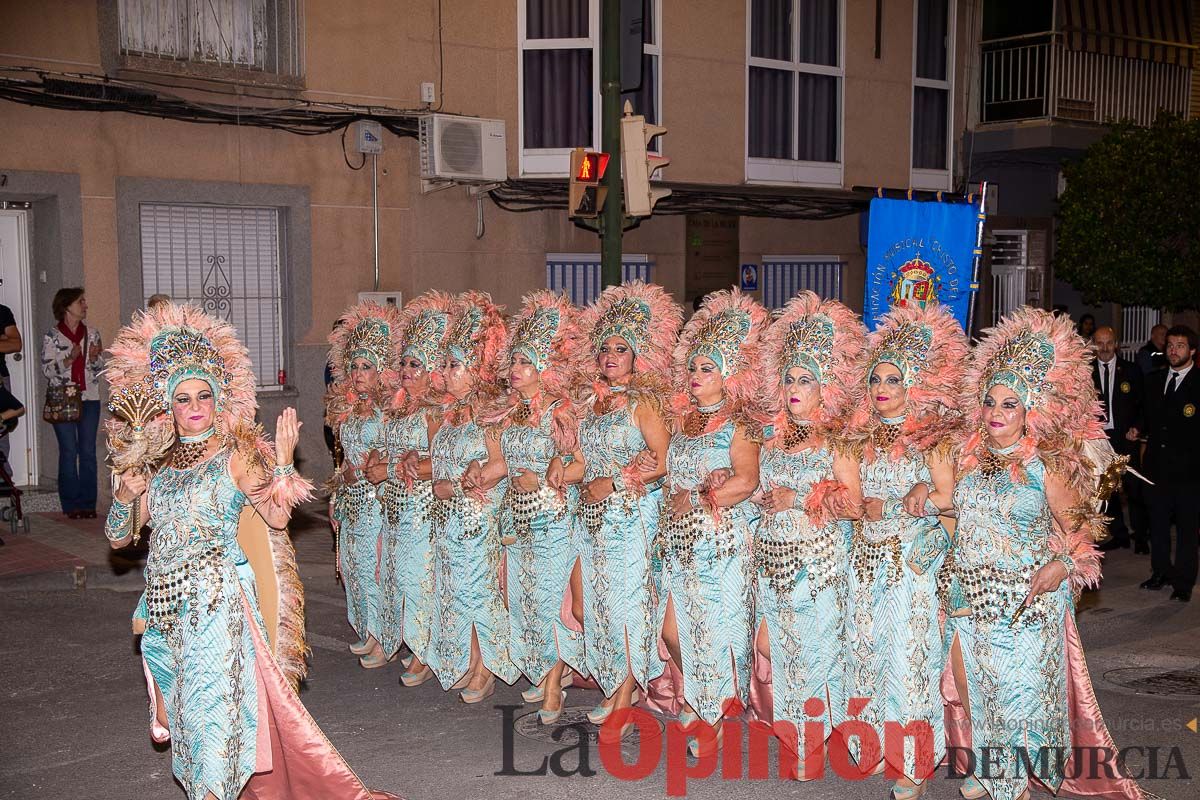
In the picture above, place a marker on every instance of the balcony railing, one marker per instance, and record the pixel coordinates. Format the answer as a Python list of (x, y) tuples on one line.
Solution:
[(1036, 76)]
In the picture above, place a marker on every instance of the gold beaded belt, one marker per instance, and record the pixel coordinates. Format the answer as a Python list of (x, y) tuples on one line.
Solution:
[(398, 497), (993, 593), (680, 536), (525, 507), (467, 509), (167, 590), (866, 555), (786, 546), (350, 500)]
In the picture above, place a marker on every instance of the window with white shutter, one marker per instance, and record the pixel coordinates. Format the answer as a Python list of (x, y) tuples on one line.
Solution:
[(785, 276), (225, 259), (578, 274)]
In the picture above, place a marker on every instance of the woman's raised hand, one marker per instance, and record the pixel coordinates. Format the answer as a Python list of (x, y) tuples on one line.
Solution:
[(287, 436)]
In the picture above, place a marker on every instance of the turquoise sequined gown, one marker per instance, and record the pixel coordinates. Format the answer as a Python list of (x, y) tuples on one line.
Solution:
[(406, 568), (707, 568), (198, 645), (359, 516), (539, 563), (895, 640), (614, 538), (466, 565), (803, 594), (1016, 676)]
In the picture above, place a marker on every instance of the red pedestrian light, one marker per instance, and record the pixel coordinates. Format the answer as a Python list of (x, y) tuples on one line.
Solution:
[(591, 168)]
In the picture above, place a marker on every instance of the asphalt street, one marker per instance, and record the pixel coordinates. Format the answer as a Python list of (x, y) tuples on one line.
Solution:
[(73, 722)]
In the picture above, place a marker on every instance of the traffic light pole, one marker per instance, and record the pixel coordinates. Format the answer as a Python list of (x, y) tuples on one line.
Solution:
[(612, 218)]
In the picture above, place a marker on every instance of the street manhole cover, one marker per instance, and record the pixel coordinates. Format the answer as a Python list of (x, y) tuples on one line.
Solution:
[(572, 724), (1156, 681)]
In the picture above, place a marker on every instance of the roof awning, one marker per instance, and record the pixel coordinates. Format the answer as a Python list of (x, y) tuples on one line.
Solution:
[(1150, 30)]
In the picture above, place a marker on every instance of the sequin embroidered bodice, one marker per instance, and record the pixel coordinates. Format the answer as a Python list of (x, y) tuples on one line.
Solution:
[(609, 442), (454, 447), (796, 471), (1002, 523), (192, 511), (890, 480), (361, 435), (691, 458), (408, 433), (529, 447)]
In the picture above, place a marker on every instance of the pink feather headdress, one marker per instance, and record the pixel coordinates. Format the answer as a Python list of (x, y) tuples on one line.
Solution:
[(476, 334), (827, 339), (929, 348), (365, 331), (424, 326), (642, 314), (1048, 366), (728, 328), (547, 332), (155, 352)]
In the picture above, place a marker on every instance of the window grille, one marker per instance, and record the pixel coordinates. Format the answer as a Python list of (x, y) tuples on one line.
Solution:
[(227, 260), (260, 35), (784, 276), (578, 274)]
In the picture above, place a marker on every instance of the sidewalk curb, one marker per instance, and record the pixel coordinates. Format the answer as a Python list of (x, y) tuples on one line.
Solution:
[(79, 577)]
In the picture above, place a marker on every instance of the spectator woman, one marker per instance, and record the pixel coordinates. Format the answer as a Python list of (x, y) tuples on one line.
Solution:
[(71, 355)]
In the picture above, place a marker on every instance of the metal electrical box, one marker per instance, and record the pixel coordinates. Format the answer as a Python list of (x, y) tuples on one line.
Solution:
[(368, 137)]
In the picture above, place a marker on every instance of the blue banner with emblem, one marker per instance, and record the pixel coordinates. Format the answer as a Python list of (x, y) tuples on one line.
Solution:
[(920, 252)]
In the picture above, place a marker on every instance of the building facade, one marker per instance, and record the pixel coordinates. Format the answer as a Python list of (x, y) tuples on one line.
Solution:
[(215, 163), (1052, 76)]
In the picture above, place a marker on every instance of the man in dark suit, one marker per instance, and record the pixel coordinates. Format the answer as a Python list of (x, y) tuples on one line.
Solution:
[(1152, 355), (1171, 422), (1119, 385)]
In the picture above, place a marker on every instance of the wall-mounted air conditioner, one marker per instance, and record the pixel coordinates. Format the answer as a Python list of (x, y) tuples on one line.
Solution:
[(462, 149)]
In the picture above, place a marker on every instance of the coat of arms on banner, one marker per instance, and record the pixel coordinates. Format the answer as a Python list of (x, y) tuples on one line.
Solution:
[(916, 282), (919, 253)]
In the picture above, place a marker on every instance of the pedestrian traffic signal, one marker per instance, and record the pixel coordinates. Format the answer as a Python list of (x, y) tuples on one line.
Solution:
[(591, 168), (637, 166), (585, 194)]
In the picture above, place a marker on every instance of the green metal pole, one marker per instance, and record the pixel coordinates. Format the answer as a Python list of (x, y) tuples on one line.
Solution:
[(612, 217)]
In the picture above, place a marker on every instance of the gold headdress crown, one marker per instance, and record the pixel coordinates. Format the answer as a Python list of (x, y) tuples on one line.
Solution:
[(907, 346), (1021, 364), (629, 318), (423, 338), (721, 338), (535, 334), (460, 343), (370, 339), (808, 343), (178, 354)]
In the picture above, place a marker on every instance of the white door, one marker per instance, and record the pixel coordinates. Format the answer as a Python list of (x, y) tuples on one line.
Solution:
[(22, 367)]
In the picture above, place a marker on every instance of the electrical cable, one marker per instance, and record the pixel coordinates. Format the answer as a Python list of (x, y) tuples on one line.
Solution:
[(346, 157)]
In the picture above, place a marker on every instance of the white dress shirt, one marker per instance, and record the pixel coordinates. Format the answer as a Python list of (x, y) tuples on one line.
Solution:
[(1181, 372)]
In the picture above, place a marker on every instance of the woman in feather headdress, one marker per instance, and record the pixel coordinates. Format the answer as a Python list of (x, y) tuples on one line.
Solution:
[(1029, 488), (631, 329), (406, 485), (902, 435), (705, 532), (222, 614), (357, 408), (469, 639), (528, 426), (812, 364)]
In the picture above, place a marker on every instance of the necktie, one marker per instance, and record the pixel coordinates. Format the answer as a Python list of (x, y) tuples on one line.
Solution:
[(1107, 396), (1171, 383)]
